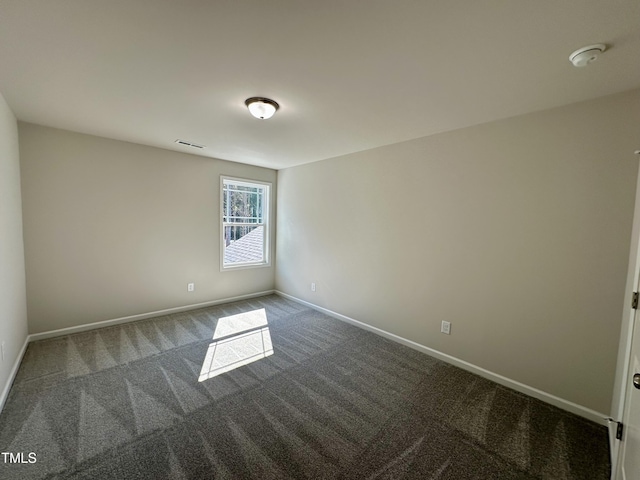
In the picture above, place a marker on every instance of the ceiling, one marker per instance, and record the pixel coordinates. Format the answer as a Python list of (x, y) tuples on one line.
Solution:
[(348, 75)]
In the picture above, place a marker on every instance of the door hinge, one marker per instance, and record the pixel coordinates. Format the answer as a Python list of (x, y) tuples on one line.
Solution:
[(619, 431), (634, 301)]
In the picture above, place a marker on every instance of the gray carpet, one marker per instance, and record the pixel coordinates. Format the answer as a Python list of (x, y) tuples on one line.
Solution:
[(322, 399)]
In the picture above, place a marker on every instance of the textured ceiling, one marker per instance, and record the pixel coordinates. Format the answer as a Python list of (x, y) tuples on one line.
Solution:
[(349, 75)]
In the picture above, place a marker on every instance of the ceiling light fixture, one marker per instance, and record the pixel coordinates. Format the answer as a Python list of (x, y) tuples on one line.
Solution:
[(261, 108), (585, 55)]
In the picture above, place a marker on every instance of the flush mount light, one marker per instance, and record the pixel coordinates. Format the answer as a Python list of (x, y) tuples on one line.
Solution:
[(261, 108), (586, 55)]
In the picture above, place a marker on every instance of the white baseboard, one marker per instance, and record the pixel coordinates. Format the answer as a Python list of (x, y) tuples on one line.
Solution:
[(12, 374), (515, 385), (507, 382), (132, 318)]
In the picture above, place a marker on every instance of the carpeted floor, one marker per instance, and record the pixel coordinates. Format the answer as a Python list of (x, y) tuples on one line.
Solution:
[(321, 399)]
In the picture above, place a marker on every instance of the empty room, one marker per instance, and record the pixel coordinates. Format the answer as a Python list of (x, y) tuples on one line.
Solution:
[(341, 240)]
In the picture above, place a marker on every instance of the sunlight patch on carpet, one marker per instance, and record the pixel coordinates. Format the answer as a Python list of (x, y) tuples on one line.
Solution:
[(239, 340)]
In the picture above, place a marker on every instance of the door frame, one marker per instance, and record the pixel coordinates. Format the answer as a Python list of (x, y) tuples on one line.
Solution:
[(626, 336)]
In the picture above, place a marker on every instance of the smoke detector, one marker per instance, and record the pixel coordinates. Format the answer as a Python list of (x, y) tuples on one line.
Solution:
[(585, 55)]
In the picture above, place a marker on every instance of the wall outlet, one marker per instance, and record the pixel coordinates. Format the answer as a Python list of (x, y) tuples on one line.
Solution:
[(446, 327), (2, 348), (313, 287), (191, 287)]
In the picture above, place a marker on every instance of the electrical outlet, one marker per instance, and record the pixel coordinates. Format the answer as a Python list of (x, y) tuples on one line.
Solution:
[(191, 287), (313, 287), (446, 327), (2, 348)]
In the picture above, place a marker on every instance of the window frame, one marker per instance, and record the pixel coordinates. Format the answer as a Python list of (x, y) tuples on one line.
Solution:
[(266, 211)]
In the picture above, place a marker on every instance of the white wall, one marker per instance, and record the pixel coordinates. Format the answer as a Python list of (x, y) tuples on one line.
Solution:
[(13, 305), (114, 229), (516, 231)]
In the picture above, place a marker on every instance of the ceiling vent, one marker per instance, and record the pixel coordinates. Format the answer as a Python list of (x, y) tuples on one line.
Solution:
[(189, 144)]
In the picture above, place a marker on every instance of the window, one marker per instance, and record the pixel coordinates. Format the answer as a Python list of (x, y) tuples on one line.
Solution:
[(245, 223)]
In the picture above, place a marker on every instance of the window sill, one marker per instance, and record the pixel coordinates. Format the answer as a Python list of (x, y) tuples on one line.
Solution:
[(244, 266)]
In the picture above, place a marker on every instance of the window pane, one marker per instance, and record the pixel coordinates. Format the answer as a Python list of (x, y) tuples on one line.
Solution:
[(243, 244), (244, 222), (242, 204)]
